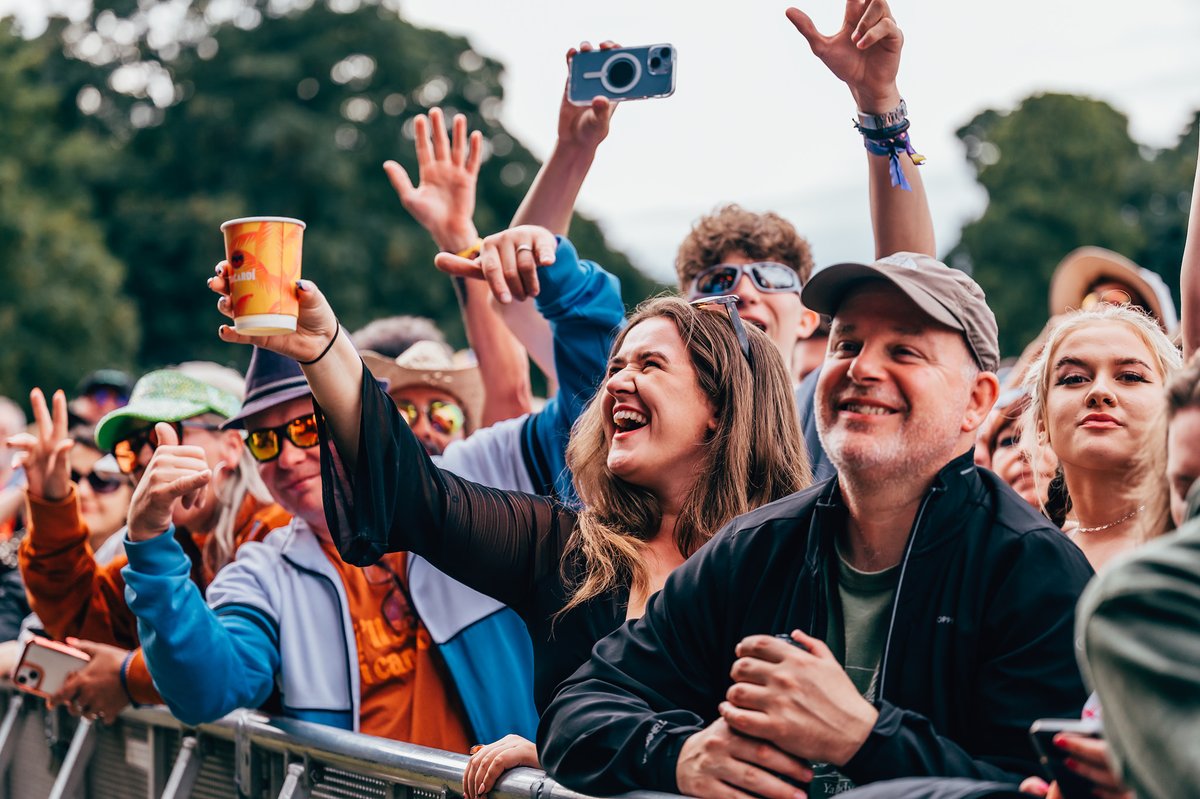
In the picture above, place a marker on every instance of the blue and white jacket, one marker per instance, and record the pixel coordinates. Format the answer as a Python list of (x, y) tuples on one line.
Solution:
[(278, 615)]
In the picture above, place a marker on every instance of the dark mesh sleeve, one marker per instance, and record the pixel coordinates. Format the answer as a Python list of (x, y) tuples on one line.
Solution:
[(395, 499)]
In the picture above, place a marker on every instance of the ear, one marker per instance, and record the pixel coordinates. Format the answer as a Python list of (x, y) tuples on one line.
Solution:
[(810, 320), (983, 396)]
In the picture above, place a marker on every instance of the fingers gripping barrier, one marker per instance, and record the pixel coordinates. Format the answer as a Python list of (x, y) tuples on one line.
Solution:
[(148, 754)]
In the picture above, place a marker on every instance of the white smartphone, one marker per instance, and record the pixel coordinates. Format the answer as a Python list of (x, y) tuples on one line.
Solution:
[(44, 666)]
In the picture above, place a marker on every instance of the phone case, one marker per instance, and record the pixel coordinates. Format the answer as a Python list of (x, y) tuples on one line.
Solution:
[(1070, 784), (45, 664), (626, 73)]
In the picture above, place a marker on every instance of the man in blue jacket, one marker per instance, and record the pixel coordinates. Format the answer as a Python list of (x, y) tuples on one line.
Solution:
[(384, 650)]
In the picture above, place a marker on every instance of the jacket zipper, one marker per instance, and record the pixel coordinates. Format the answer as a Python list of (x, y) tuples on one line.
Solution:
[(354, 710), (887, 645)]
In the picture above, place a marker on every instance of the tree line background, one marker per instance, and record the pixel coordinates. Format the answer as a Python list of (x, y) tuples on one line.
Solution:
[(122, 150)]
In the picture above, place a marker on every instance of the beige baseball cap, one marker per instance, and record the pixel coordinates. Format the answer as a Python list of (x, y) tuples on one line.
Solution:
[(947, 295)]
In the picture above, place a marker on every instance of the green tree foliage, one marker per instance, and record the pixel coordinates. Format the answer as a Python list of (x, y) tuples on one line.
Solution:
[(64, 310), (289, 113), (1060, 172)]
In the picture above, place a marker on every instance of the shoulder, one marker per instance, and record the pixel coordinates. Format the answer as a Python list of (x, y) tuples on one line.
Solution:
[(1166, 569), (768, 525)]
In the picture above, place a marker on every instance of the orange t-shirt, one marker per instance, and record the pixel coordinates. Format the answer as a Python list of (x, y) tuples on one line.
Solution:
[(406, 692)]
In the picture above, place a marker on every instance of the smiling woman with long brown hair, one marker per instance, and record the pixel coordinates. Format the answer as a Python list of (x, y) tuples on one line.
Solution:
[(694, 425)]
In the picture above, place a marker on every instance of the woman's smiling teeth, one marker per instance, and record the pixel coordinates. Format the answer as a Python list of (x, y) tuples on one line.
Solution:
[(629, 420)]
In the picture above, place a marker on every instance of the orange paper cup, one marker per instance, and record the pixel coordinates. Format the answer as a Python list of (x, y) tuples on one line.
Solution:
[(264, 265)]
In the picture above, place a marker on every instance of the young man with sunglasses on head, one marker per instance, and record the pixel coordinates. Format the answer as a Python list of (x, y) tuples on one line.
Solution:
[(74, 595), (390, 650)]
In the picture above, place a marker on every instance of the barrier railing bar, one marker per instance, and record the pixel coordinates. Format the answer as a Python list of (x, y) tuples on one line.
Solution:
[(186, 770), (8, 734), (256, 738), (69, 782)]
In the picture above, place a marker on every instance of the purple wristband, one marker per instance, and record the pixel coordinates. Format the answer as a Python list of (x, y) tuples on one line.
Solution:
[(125, 677)]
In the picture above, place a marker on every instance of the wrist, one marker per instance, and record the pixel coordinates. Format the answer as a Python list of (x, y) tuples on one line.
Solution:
[(876, 101), (456, 238), (573, 151), (144, 532), (858, 730)]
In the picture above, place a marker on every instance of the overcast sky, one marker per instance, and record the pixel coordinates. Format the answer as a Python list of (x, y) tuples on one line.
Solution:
[(756, 119)]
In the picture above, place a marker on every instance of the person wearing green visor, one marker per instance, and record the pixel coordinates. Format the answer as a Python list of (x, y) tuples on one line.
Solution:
[(76, 597)]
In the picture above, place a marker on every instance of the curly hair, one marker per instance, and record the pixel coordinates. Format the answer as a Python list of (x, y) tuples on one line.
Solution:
[(731, 228)]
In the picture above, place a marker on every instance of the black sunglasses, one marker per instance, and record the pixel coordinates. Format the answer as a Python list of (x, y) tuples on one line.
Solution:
[(730, 303), (98, 482), (768, 276)]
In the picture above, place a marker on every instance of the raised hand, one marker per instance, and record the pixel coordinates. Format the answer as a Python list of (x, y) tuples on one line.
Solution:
[(44, 454), (584, 126), (488, 763), (176, 473), (315, 327), (508, 262), (864, 53), (447, 172)]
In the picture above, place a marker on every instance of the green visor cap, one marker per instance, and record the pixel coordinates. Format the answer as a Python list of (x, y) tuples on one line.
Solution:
[(167, 395)]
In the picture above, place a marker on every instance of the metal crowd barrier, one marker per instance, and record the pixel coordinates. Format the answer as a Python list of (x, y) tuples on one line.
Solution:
[(147, 754)]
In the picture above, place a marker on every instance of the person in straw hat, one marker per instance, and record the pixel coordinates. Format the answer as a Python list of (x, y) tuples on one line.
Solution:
[(438, 394)]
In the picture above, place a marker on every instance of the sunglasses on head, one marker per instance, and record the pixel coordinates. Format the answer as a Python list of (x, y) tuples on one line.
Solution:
[(1095, 299), (99, 483), (730, 303), (127, 449), (446, 417), (768, 276), (266, 443)]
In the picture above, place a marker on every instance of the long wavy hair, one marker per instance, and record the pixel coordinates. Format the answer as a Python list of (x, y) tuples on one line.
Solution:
[(1148, 475), (755, 455)]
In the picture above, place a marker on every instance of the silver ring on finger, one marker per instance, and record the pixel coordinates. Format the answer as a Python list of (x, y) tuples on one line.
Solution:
[(524, 248)]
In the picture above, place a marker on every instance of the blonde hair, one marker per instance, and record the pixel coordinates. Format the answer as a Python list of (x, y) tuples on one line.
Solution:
[(236, 483), (1150, 469), (755, 455)]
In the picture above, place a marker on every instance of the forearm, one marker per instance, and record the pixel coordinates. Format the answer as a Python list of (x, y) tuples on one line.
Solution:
[(900, 219), (550, 201), (204, 665), (336, 381), (533, 332), (905, 744), (503, 363), (1189, 275)]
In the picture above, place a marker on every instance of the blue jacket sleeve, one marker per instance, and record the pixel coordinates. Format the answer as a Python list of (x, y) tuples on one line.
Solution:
[(583, 305), (204, 663)]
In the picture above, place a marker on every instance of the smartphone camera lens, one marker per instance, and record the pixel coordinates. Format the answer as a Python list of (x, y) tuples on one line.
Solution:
[(655, 62), (22, 679), (659, 60), (622, 73)]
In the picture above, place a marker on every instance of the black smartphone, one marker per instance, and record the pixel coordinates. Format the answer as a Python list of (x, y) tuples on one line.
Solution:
[(626, 73), (1053, 759)]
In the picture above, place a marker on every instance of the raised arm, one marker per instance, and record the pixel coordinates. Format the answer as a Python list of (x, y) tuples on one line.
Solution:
[(444, 203), (865, 55), (1189, 275), (67, 589), (381, 491)]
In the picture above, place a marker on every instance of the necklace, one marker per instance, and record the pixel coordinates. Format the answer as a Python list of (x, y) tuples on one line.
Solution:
[(1121, 520)]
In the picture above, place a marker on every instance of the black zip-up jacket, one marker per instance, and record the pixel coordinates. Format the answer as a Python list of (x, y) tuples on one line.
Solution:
[(979, 640)]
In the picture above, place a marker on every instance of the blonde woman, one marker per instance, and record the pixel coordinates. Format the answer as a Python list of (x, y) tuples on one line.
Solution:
[(1097, 400)]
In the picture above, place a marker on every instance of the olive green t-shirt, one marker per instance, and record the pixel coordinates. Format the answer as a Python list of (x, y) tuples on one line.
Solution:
[(856, 637)]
